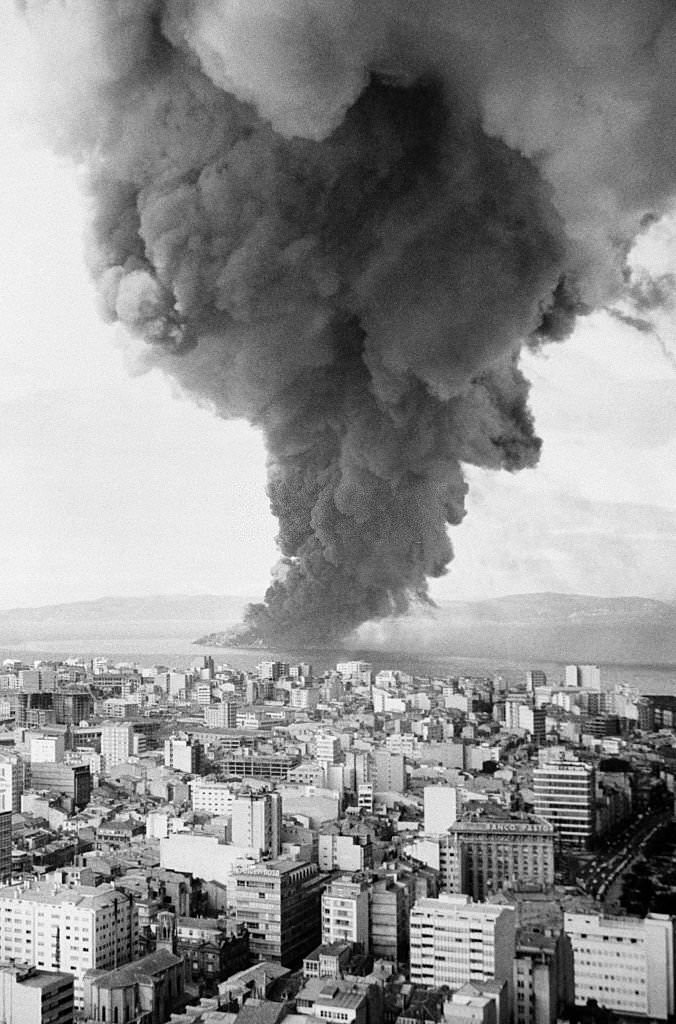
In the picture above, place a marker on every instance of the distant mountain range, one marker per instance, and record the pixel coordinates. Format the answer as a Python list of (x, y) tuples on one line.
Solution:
[(127, 618), (555, 627)]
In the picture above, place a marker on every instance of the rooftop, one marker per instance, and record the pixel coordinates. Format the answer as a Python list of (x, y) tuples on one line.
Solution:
[(147, 967)]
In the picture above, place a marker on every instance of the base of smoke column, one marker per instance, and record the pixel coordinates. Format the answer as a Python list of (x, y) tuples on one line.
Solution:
[(239, 636)]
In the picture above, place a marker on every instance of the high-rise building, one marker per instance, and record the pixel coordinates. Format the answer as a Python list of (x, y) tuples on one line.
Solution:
[(70, 930), (543, 977), (257, 823), (211, 796), (273, 670), (564, 796), (389, 772), (279, 903), (5, 846), (222, 715), (119, 742), (535, 677), (441, 808), (357, 671), (455, 941), (327, 748), (390, 903), (625, 963), (491, 848), (539, 728), (345, 912), (72, 706), (12, 781), (183, 754), (586, 676), (30, 996)]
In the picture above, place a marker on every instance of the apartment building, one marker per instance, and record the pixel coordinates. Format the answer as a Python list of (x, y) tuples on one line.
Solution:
[(625, 963), (543, 976), (345, 912), (118, 743), (12, 781), (64, 929), (210, 796), (257, 823), (183, 754), (455, 941)]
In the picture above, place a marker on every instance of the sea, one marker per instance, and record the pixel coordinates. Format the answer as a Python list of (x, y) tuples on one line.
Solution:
[(177, 651)]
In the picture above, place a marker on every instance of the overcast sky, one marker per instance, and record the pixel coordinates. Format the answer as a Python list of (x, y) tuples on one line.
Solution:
[(113, 483)]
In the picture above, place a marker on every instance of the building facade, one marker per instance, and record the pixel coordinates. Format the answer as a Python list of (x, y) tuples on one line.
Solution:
[(564, 796), (278, 903), (625, 963), (30, 996), (257, 823), (147, 991), (543, 986), (183, 754), (68, 929), (345, 912), (491, 849), (455, 941)]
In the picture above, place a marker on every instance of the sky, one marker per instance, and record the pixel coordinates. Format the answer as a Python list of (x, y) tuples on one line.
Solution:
[(115, 483)]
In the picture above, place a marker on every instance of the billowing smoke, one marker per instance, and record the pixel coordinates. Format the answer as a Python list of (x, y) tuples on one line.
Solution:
[(341, 219)]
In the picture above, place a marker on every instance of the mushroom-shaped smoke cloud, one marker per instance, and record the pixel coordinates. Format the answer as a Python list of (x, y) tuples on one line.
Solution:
[(341, 219)]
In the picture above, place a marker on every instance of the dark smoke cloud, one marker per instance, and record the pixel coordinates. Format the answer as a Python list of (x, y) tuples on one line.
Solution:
[(343, 220)]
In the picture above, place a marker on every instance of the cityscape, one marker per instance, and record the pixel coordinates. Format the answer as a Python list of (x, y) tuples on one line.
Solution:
[(338, 621), (226, 846)]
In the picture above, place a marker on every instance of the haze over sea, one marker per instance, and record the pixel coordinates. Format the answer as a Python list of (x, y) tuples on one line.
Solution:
[(179, 652)]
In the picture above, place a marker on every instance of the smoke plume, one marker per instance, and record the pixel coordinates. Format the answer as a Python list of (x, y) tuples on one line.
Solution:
[(342, 219)]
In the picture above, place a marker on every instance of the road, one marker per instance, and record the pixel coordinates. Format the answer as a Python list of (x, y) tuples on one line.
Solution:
[(604, 879)]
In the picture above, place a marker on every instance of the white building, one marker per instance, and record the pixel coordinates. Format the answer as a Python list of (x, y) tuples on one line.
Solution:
[(365, 797), (202, 856), (342, 853), (441, 808), (586, 676), (304, 697), (182, 754), (119, 743), (46, 748), (29, 996), (212, 797), (257, 823), (357, 671), (455, 941), (222, 715), (327, 748), (72, 930), (625, 963), (12, 780), (345, 912)]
